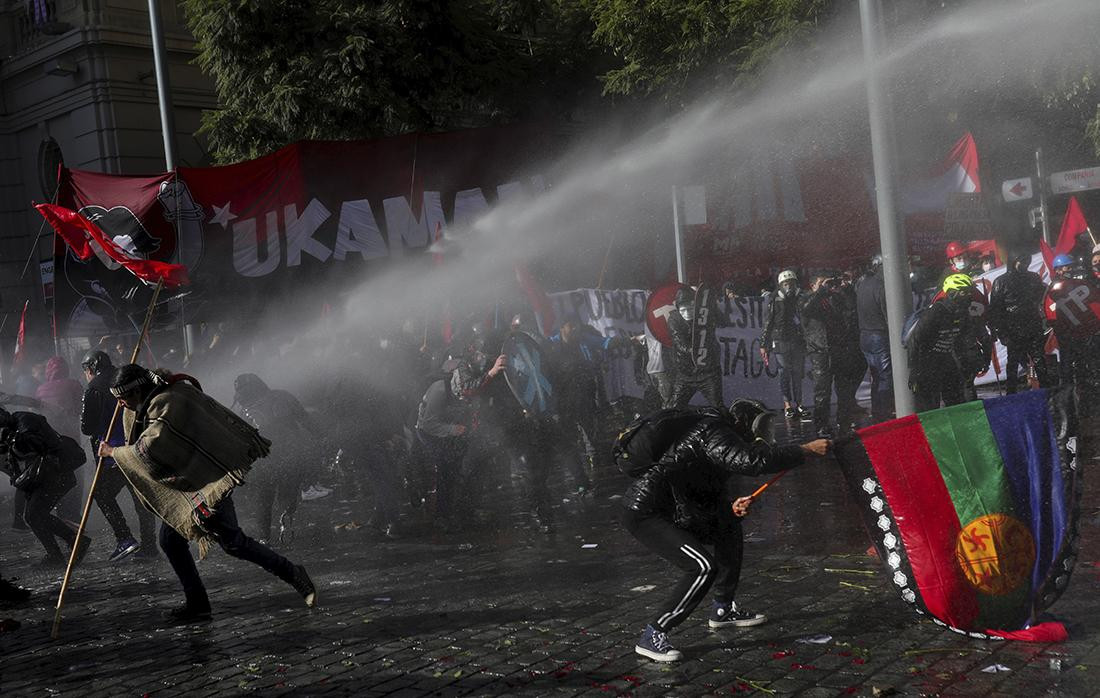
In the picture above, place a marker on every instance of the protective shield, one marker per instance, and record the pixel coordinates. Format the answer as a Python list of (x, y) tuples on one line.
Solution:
[(661, 302), (526, 373)]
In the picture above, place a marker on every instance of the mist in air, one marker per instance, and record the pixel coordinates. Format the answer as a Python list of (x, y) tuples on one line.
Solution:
[(804, 106)]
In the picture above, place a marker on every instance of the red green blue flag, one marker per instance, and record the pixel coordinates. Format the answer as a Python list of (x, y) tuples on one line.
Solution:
[(973, 509)]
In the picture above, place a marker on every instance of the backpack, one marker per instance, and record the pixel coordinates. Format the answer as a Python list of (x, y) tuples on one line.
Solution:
[(910, 325), (71, 455), (645, 441)]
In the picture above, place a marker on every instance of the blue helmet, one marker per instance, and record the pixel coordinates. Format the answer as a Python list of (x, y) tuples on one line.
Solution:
[(1063, 260)]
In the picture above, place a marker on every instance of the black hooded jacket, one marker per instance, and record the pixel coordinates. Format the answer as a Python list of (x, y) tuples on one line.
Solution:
[(783, 326), (96, 409), (1015, 304), (688, 486)]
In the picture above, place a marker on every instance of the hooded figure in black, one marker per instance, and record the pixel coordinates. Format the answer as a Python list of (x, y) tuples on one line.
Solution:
[(831, 332), (279, 479), (695, 348), (948, 346), (1016, 318), (97, 408), (682, 504), (782, 338), (40, 463)]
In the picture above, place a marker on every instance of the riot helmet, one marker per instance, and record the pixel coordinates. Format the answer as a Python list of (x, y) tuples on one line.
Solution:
[(753, 420), (97, 362)]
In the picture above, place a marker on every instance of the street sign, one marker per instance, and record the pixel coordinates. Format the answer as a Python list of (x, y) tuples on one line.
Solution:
[(1075, 180), (1017, 189)]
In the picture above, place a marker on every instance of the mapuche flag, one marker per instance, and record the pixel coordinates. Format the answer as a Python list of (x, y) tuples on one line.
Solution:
[(973, 509), (84, 236)]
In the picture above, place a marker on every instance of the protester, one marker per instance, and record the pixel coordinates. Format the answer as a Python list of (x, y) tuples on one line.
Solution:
[(185, 455), (1016, 319), (874, 339), (782, 338), (582, 401), (441, 430), (279, 481), (1073, 311), (948, 346), (695, 348), (832, 343), (680, 504), (98, 407), (658, 369), (40, 463)]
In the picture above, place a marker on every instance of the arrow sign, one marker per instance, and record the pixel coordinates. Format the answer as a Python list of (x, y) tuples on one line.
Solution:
[(1017, 189)]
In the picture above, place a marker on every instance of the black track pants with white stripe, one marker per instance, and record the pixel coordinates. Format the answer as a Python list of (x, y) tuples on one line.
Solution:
[(702, 568)]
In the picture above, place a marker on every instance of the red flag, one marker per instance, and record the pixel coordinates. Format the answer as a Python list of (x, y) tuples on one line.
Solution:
[(1072, 225), (79, 233), (540, 302), (21, 338), (1048, 257)]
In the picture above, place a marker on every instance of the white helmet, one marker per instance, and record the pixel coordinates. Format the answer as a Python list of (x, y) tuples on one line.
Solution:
[(787, 275)]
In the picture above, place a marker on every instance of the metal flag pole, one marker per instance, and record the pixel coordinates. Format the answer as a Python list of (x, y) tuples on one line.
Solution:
[(681, 262), (895, 262), (56, 632), (1044, 212)]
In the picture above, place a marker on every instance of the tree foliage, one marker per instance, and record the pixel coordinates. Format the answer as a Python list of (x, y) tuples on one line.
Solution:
[(288, 70), (677, 49)]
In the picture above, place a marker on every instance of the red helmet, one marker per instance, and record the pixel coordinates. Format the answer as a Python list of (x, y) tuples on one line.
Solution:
[(954, 249)]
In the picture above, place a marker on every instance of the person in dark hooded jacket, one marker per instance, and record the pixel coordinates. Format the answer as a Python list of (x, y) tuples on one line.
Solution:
[(682, 504), (695, 348), (40, 464), (1016, 318), (782, 338), (279, 481), (98, 406)]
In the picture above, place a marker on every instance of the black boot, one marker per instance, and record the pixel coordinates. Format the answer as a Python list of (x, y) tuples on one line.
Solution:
[(190, 612)]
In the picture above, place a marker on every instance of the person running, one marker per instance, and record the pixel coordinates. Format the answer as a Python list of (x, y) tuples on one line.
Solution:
[(680, 504), (185, 454)]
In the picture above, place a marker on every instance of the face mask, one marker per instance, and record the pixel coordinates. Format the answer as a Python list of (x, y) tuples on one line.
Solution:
[(958, 264), (685, 313)]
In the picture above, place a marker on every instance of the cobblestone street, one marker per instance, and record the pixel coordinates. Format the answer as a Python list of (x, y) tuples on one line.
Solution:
[(504, 610)]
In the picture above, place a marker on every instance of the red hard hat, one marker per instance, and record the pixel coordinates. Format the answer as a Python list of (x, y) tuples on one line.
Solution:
[(954, 249)]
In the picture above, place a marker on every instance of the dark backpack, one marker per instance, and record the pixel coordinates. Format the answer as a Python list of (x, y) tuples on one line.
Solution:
[(71, 455), (646, 440)]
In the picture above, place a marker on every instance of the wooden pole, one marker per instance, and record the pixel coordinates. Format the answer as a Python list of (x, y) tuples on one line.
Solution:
[(56, 632)]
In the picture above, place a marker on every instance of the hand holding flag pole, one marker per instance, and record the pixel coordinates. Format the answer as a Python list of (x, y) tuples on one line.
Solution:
[(56, 632)]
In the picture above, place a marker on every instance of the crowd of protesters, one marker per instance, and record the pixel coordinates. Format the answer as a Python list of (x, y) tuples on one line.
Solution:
[(407, 433)]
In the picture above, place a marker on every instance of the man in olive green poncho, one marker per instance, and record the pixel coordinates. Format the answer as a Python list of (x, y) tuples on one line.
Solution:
[(185, 454)]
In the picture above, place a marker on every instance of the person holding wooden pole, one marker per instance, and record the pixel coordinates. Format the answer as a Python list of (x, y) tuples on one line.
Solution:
[(185, 454)]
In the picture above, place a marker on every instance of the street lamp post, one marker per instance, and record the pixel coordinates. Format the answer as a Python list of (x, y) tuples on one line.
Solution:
[(895, 261)]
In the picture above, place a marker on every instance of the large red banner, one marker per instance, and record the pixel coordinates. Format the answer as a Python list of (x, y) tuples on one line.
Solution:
[(269, 229)]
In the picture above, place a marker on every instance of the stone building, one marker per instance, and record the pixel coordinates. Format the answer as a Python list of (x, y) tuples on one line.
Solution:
[(78, 86)]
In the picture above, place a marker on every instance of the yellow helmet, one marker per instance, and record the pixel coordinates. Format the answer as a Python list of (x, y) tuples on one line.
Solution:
[(956, 282)]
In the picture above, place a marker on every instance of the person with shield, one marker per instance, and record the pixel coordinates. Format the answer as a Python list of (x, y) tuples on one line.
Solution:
[(680, 507), (1072, 307)]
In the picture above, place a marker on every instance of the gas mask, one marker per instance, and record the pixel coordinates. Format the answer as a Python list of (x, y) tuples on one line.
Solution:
[(753, 420)]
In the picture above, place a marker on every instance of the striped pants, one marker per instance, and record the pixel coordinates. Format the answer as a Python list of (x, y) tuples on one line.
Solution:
[(702, 568)]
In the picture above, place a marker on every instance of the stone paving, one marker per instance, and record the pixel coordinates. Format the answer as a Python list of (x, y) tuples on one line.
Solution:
[(502, 610)]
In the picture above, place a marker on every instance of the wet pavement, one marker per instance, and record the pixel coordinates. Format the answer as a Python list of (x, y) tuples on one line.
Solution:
[(500, 609)]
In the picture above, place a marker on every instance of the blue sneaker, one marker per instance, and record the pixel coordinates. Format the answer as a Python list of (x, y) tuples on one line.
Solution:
[(654, 645), (124, 548), (727, 615)]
